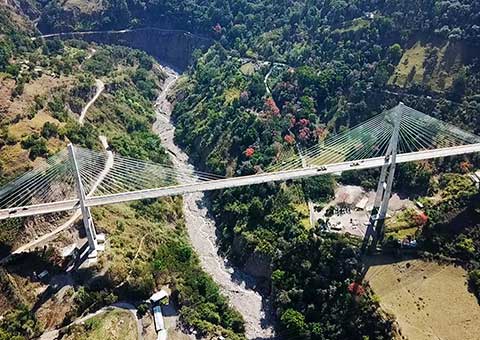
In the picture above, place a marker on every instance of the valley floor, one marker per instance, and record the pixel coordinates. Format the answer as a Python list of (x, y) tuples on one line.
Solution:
[(202, 231)]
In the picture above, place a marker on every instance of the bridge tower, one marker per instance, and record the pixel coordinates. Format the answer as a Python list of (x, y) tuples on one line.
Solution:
[(375, 230), (92, 236)]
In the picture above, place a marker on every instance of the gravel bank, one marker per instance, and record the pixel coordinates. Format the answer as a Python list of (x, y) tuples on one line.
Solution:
[(201, 230)]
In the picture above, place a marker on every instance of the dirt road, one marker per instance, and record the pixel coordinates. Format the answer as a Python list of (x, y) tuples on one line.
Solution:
[(100, 86), (53, 335), (44, 239)]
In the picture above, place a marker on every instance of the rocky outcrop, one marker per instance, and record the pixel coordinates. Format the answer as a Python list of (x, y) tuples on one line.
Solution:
[(172, 47), (254, 263)]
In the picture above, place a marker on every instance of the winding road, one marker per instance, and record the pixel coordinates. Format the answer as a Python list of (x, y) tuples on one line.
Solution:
[(100, 86), (42, 240), (127, 30), (201, 228)]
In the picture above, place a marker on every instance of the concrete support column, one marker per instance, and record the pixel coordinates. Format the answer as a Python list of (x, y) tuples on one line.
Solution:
[(86, 215), (375, 230)]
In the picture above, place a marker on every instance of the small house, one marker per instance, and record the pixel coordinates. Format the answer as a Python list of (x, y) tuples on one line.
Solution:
[(362, 204), (158, 296)]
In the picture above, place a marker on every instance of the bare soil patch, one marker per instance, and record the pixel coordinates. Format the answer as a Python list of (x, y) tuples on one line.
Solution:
[(352, 219), (112, 325)]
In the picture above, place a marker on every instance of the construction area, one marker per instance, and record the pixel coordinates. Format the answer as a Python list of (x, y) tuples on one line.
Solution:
[(350, 211)]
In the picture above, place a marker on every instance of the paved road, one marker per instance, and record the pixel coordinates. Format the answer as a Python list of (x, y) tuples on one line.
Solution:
[(265, 80), (277, 176), (73, 33), (237, 181)]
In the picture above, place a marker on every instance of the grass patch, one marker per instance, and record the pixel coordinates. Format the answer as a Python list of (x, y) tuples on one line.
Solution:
[(403, 224), (432, 65), (25, 128), (410, 68), (355, 25), (231, 95), (84, 6), (247, 69), (15, 158), (426, 298), (304, 212), (112, 325), (402, 233)]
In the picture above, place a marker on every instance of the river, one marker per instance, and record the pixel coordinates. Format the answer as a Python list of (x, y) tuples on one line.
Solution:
[(202, 232)]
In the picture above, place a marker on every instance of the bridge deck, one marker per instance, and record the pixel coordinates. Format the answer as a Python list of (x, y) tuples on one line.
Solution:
[(234, 182)]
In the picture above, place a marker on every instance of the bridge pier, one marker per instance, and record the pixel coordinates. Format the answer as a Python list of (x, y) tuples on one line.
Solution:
[(95, 241), (375, 230)]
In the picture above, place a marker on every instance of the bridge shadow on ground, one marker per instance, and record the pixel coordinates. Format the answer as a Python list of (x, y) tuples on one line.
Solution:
[(42, 270), (5, 250), (381, 259)]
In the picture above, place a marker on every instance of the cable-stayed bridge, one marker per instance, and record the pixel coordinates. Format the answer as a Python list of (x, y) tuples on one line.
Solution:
[(78, 178)]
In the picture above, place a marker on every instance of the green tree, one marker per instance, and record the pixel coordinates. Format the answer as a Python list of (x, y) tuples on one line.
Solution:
[(395, 53), (319, 188), (293, 321), (474, 281), (4, 57), (49, 130)]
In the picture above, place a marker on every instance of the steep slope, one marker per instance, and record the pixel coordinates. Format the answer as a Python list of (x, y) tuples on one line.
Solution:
[(337, 64), (45, 87)]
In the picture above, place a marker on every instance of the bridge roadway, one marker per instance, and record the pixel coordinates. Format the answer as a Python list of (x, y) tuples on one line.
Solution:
[(234, 182), (128, 30)]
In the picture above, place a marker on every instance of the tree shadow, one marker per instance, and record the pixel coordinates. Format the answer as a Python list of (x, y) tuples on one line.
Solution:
[(474, 290), (5, 250)]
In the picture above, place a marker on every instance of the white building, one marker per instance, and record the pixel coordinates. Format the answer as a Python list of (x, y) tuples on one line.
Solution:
[(158, 296)]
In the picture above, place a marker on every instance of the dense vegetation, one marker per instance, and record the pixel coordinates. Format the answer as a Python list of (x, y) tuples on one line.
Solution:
[(19, 324), (152, 230), (338, 63)]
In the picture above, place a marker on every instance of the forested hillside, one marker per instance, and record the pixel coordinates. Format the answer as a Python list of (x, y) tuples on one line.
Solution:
[(44, 86), (333, 64), (337, 65)]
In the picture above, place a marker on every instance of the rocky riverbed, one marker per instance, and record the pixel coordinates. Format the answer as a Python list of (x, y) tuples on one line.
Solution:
[(201, 229)]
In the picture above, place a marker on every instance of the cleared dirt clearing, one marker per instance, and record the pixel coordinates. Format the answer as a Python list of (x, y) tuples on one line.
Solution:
[(429, 300)]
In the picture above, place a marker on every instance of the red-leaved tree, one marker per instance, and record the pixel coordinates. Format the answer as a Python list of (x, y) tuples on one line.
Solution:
[(249, 152), (421, 219), (289, 139), (272, 107)]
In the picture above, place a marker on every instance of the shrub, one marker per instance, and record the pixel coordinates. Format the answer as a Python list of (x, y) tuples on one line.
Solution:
[(49, 130), (37, 145)]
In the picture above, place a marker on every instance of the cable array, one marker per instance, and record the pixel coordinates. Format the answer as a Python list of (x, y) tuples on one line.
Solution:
[(106, 173), (417, 132), (51, 182)]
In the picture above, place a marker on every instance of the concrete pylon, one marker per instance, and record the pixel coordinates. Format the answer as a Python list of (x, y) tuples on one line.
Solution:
[(86, 215), (375, 230)]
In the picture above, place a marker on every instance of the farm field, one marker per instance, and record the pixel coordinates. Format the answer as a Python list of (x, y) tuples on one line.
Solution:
[(429, 300)]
